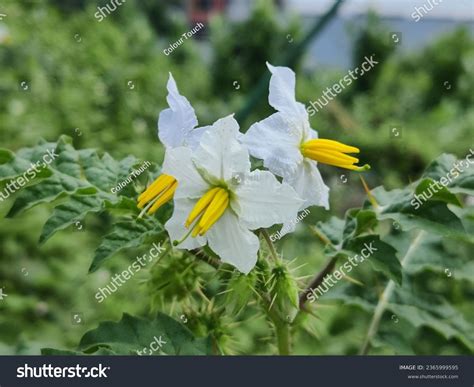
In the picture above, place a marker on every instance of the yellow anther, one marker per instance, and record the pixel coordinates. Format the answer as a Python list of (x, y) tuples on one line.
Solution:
[(209, 208), (321, 143), (201, 205), (164, 198), (333, 153), (157, 194), (155, 189), (213, 214)]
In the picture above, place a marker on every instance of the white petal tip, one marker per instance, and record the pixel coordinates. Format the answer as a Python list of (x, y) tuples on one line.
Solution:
[(270, 67)]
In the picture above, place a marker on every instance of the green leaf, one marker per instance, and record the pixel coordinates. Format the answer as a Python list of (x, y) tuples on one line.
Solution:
[(71, 172), (432, 216), (82, 180), (132, 334), (421, 309), (381, 255), (429, 187), (333, 229), (436, 254), (63, 352), (459, 180), (126, 234), (59, 352), (359, 221), (14, 165), (75, 209)]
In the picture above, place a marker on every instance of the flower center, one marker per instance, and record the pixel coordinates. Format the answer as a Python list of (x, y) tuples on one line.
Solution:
[(208, 209), (158, 193), (332, 153)]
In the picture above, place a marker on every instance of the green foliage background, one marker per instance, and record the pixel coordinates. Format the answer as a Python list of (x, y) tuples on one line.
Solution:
[(77, 72)]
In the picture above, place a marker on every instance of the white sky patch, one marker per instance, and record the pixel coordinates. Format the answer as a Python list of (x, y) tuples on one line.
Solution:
[(447, 9)]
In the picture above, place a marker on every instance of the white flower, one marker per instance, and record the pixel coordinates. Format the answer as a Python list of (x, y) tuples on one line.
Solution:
[(177, 124), (219, 201), (290, 148), (176, 127)]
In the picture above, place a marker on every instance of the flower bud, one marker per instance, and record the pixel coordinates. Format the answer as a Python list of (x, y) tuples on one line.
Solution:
[(284, 292)]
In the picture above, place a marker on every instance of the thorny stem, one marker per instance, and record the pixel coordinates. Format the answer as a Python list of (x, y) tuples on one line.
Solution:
[(282, 330), (165, 253), (317, 280), (320, 235), (199, 254), (282, 327), (384, 299)]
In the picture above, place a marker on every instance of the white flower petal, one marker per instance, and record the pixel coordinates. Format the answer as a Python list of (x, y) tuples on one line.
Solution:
[(178, 163), (177, 230), (233, 243), (290, 226), (220, 154), (309, 185), (176, 122), (311, 134), (287, 228), (276, 142), (262, 201), (282, 92), (193, 138)]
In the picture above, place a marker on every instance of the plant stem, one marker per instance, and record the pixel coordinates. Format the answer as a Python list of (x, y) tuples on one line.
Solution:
[(282, 327), (165, 253), (211, 261), (317, 280), (384, 299), (270, 245), (282, 330)]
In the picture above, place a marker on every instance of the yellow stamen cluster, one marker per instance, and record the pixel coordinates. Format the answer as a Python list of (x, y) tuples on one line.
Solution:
[(209, 208), (158, 193), (333, 153)]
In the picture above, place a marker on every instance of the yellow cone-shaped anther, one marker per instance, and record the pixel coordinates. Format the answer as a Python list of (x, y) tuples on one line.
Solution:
[(157, 194), (333, 153), (157, 181), (164, 198), (322, 143), (201, 205), (159, 185), (214, 215), (208, 209), (151, 186), (331, 157)]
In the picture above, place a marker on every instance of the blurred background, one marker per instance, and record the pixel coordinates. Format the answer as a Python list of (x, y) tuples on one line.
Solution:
[(103, 82)]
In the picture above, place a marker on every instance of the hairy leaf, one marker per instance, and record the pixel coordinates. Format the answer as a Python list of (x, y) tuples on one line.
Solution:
[(132, 334)]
